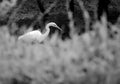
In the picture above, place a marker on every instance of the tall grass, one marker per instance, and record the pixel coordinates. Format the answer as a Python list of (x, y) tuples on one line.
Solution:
[(58, 61)]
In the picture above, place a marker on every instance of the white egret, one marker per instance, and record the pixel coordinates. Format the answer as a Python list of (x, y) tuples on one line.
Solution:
[(36, 36)]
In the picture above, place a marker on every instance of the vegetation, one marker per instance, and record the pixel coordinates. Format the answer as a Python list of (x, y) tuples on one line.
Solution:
[(90, 58)]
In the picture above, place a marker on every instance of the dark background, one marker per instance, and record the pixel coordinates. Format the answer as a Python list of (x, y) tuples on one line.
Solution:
[(31, 9)]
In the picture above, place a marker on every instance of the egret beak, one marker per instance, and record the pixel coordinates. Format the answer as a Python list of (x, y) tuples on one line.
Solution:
[(59, 28)]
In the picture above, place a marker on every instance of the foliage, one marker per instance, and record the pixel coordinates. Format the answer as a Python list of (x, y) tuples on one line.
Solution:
[(89, 58), (5, 6), (58, 61)]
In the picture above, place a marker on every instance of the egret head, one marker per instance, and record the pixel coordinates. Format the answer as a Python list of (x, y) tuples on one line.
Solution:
[(54, 25)]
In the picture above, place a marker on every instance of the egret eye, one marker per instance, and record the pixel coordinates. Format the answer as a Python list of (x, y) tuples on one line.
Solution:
[(55, 26)]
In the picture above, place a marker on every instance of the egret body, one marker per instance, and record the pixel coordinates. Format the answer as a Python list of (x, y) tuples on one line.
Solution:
[(36, 36)]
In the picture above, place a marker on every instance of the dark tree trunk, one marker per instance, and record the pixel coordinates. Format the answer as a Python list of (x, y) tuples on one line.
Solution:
[(40, 5), (103, 7)]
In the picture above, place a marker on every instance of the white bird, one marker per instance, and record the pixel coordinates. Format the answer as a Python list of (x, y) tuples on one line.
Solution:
[(36, 36)]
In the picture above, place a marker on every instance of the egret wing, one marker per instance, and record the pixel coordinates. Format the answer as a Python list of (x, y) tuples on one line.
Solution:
[(30, 36)]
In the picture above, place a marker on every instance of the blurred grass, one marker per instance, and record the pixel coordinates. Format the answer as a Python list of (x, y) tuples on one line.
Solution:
[(57, 61)]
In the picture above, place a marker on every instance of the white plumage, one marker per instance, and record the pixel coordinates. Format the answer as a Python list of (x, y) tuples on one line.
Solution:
[(36, 36)]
